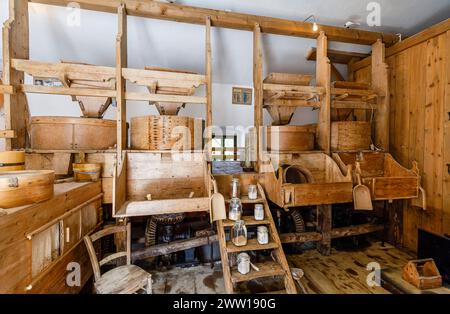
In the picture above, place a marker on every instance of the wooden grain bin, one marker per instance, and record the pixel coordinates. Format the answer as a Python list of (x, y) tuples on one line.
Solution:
[(18, 188), (351, 135), (85, 172), (12, 161), (67, 133), (291, 138), (166, 133)]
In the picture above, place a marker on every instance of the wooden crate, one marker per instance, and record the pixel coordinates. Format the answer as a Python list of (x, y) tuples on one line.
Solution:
[(385, 177), (67, 133), (291, 138), (350, 135), (166, 133), (330, 185)]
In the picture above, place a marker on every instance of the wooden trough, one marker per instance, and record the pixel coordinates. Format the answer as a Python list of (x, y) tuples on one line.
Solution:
[(385, 177), (318, 180), (67, 133), (152, 183)]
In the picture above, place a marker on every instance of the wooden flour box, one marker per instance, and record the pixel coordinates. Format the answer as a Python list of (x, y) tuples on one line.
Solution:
[(166, 133), (67, 133), (291, 137), (350, 135)]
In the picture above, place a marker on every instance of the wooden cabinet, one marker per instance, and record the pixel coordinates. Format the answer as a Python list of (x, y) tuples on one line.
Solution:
[(39, 242)]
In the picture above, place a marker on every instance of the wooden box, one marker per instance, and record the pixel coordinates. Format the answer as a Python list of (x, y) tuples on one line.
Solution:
[(67, 133), (291, 138), (386, 178), (166, 133), (350, 135)]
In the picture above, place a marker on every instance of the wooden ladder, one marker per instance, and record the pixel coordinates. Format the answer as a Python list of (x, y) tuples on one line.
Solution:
[(279, 267)]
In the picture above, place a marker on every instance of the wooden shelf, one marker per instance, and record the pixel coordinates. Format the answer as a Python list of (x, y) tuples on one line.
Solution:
[(337, 56), (252, 245), (248, 220), (266, 269), (246, 200), (168, 206)]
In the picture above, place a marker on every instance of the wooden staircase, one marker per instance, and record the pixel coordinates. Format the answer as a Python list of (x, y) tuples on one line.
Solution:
[(279, 267)]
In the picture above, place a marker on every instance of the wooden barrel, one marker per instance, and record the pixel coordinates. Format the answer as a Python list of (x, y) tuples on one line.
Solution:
[(350, 135), (67, 133), (291, 137), (12, 161), (166, 133), (19, 188), (85, 172)]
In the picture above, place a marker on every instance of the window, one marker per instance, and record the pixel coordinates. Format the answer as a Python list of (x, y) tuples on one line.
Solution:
[(225, 148)]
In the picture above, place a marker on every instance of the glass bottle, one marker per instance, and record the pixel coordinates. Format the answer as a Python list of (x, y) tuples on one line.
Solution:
[(235, 188), (239, 233), (235, 210)]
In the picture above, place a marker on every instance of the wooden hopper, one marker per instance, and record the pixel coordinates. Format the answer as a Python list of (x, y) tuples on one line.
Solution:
[(157, 87), (275, 101), (91, 107)]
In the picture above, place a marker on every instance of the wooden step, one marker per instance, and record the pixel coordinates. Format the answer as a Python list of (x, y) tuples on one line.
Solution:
[(266, 269), (246, 200), (248, 220), (252, 245)]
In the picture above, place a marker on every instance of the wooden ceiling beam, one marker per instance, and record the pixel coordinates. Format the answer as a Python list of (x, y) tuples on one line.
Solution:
[(220, 18)]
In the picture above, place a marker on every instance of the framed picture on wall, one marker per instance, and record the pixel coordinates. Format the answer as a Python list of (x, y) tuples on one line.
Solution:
[(242, 96)]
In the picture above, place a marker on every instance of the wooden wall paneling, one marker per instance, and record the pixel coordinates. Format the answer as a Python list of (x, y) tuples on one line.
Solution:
[(121, 62), (434, 122), (417, 65), (15, 45), (323, 79), (446, 196), (258, 91)]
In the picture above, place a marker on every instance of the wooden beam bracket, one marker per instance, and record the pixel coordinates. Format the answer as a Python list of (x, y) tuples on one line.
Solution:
[(7, 134), (7, 89)]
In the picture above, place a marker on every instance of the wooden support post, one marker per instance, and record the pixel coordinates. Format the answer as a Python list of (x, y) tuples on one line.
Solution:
[(208, 70), (258, 91), (380, 85), (323, 79), (15, 45), (325, 217), (121, 62)]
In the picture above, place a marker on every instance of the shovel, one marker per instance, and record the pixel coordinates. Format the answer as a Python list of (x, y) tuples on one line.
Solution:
[(218, 211), (361, 193)]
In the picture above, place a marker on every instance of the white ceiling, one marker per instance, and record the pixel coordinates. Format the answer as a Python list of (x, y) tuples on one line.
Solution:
[(176, 45)]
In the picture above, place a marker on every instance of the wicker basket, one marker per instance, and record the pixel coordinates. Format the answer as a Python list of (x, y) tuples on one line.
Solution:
[(166, 133), (67, 133), (350, 135), (291, 138)]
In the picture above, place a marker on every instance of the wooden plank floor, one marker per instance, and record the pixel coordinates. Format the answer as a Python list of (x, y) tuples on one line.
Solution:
[(344, 272)]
